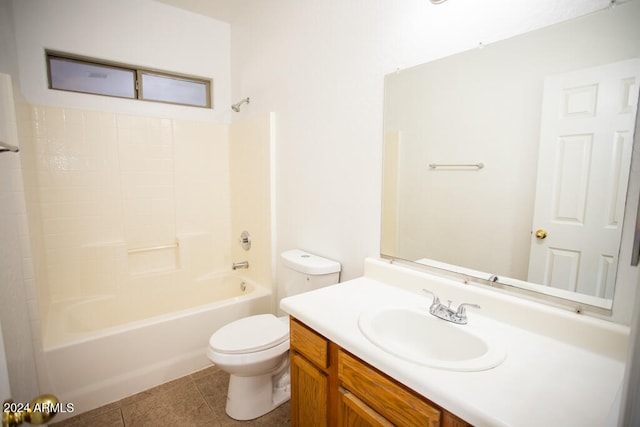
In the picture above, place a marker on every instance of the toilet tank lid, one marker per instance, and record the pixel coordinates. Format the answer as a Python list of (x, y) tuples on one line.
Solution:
[(305, 262)]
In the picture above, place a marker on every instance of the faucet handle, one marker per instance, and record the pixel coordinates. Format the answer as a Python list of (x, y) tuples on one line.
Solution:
[(436, 300), (461, 308)]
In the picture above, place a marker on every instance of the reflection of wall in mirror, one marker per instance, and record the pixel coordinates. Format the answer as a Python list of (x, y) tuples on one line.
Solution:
[(482, 219), (389, 232)]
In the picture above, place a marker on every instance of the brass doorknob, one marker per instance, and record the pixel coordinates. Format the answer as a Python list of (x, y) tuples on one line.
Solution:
[(541, 234), (39, 411)]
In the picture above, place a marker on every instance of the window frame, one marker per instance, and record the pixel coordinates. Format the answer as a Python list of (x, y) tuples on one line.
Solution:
[(137, 73)]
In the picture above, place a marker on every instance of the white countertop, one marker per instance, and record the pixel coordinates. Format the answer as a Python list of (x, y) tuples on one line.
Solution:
[(542, 382)]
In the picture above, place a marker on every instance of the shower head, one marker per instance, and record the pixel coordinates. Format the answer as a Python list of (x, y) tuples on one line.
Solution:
[(236, 107)]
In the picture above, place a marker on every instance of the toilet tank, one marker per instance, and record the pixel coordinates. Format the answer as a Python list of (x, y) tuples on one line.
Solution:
[(305, 272)]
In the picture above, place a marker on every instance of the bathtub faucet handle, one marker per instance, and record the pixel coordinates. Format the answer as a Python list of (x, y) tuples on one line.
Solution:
[(245, 240), (237, 265)]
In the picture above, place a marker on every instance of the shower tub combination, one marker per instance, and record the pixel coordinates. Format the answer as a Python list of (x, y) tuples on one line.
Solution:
[(101, 349)]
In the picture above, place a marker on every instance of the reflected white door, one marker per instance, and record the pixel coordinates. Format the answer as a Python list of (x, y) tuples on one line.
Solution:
[(583, 167)]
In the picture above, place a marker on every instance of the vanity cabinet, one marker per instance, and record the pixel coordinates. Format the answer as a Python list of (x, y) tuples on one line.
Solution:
[(309, 359), (331, 387)]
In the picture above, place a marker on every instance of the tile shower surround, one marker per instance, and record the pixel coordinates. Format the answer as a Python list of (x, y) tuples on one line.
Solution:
[(105, 183)]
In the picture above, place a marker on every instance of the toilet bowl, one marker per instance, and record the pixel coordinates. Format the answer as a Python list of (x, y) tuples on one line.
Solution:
[(255, 350)]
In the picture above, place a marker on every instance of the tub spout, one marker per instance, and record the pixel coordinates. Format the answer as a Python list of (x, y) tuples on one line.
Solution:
[(237, 265)]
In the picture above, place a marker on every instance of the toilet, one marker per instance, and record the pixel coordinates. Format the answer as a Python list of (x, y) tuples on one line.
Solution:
[(255, 350)]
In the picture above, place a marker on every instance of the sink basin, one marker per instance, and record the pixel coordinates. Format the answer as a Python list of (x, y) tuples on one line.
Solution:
[(416, 336)]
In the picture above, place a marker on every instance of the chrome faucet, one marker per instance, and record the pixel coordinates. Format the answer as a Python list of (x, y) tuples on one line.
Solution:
[(237, 265), (445, 312)]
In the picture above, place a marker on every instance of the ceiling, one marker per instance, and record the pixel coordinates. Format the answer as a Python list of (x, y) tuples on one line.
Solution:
[(223, 10)]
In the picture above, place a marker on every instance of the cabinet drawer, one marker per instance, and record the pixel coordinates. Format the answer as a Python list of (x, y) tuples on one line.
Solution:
[(354, 412), (398, 404), (312, 345)]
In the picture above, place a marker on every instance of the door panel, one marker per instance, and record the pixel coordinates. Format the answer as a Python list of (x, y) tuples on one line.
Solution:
[(583, 164), (572, 178)]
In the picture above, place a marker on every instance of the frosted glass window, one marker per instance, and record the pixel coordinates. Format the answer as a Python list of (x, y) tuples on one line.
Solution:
[(79, 76), (165, 88), (86, 75)]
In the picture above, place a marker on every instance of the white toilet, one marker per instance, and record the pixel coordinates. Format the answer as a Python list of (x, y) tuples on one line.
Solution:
[(255, 349)]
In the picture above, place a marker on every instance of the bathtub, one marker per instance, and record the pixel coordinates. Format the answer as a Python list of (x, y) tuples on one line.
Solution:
[(101, 349)]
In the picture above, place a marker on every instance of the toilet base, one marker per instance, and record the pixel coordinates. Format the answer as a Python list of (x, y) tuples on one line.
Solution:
[(252, 397)]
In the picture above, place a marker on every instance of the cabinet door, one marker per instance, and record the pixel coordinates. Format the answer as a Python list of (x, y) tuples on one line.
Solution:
[(355, 413), (309, 394)]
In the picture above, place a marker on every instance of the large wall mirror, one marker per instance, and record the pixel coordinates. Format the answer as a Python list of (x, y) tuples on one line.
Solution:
[(511, 162)]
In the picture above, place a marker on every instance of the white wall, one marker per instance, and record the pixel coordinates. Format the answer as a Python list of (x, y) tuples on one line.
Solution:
[(16, 273), (630, 405), (320, 67), (5, 390), (142, 33)]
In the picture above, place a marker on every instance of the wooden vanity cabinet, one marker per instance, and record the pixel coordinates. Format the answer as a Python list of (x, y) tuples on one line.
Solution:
[(331, 387), (309, 358)]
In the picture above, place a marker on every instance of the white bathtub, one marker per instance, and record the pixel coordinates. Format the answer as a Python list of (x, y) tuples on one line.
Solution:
[(102, 349)]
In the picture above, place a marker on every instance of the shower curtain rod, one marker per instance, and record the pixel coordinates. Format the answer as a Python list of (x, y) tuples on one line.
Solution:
[(8, 147)]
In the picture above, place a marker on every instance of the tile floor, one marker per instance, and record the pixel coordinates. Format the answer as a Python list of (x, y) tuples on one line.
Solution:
[(195, 400)]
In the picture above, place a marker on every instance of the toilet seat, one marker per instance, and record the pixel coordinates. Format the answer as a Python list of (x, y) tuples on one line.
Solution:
[(249, 335)]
